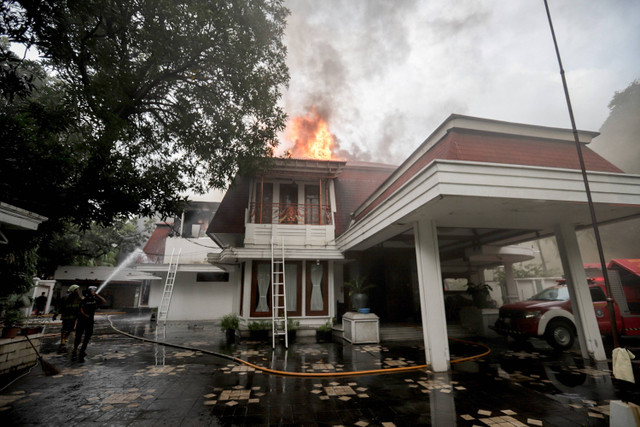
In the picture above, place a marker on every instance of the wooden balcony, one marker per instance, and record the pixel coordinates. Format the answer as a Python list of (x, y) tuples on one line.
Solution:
[(298, 214), (299, 225)]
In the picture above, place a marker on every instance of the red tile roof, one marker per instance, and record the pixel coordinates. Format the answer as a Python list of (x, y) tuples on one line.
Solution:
[(154, 249), (489, 147), (229, 218), (517, 150), (356, 182)]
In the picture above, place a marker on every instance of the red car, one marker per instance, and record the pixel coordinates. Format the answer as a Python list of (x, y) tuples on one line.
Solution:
[(548, 315)]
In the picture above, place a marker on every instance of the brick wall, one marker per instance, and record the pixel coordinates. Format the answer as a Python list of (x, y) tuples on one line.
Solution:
[(16, 353)]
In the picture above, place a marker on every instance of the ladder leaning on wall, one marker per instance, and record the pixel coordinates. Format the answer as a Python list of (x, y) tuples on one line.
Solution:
[(278, 295), (163, 310)]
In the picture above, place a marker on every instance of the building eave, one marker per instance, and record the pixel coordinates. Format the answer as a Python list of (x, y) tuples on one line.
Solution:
[(15, 217), (163, 268), (483, 195), (238, 255)]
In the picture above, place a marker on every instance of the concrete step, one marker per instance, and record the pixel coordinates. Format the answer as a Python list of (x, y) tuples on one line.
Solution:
[(414, 333)]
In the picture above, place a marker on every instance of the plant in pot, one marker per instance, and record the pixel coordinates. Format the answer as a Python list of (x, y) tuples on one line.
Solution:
[(480, 294), (292, 327), (12, 314), (324, 333), (358, 293), (229, 324), (259, 330)]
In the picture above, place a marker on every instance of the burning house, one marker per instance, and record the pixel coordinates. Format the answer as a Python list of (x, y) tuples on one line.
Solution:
[(454, 207), (300, 204)]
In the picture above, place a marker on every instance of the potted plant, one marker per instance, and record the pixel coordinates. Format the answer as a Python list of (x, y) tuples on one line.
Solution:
[(324, 333), (357, 293), (12, 314), (480, 294), (292, 327), (259, 330), (230, 323)]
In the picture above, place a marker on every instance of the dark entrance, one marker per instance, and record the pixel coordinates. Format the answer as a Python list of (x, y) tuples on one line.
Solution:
[(396, 296)]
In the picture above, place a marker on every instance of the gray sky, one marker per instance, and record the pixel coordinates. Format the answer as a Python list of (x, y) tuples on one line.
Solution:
[(386, 73)]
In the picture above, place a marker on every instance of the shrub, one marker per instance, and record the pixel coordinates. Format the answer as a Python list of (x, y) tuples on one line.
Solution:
[(357, 285), (326, 327), (292, 325), (12, 308), (259, 325), (230, 321)]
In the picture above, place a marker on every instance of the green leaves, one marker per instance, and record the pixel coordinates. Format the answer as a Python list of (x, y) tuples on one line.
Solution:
[(131, 104), (167, 94), (357, 285)]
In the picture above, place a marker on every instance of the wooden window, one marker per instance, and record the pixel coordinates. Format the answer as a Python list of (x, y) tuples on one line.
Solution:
[(317, 288), (264, 203), (293, 278), (261, 293), (289, 204), (312, 206)]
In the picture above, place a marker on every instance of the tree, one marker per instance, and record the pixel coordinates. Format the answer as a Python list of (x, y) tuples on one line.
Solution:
[(519, 271), (95, 245), (152, 97), (18, 263)]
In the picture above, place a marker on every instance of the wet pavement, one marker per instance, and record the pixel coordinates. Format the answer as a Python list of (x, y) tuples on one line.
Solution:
[(127, 382)]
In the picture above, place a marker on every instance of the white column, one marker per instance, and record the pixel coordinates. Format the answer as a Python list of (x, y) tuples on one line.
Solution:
[(434, 322), (331, 289), (510, 283), (442, 406), (246, 294), (235, 273), (581, 303)]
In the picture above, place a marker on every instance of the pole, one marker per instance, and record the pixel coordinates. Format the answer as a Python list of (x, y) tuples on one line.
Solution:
[(594, 222)]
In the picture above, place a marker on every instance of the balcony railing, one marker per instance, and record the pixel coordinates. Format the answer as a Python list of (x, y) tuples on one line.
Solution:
[(276, 213)]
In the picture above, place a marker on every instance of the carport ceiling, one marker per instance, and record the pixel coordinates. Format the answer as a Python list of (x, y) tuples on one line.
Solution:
[(516, 214), (472, 222), (455, 241)]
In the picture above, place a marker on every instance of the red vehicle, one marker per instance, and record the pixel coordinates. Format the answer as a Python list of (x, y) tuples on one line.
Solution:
[(548, 314)]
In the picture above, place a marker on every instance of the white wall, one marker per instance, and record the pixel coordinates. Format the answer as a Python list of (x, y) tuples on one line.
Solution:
[(193, 300), (194, 251), (41, 286), (529, 286)]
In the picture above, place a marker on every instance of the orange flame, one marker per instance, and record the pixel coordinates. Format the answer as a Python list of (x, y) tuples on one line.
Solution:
[(311, 137)]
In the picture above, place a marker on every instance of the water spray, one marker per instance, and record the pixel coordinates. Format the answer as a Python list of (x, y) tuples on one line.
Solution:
[(132, 256)]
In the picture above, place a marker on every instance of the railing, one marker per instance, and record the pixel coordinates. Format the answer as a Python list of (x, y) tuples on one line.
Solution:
[(286, 213)]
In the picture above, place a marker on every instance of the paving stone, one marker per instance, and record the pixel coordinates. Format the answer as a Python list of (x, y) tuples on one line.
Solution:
[(131, 383)]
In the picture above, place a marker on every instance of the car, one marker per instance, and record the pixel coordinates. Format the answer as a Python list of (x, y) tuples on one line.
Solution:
[(548, 315)]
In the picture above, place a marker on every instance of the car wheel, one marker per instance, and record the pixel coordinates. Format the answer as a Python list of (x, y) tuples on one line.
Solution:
[(560, 335)]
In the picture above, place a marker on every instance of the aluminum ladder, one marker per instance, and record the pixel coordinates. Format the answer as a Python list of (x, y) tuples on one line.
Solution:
[(163, 311), (278, 296)]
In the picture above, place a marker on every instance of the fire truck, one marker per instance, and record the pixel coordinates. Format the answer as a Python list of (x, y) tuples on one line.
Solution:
[(548, 314)]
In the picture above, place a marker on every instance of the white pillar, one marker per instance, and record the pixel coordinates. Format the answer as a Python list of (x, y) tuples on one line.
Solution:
[(510, 283), (581, 302), (246, 294), (442, 406), (434, 322)]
